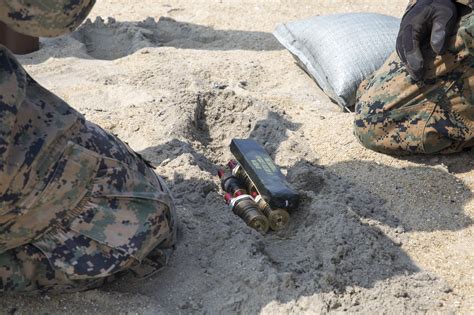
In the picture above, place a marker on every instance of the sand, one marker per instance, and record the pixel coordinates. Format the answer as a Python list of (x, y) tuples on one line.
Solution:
[(178, 80)]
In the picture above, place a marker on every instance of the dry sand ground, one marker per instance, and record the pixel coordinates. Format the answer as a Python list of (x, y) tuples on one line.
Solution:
[(179, 79)]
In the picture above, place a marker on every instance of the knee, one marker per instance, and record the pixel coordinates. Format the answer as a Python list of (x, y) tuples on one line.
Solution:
[(365, 133), (374, 134)]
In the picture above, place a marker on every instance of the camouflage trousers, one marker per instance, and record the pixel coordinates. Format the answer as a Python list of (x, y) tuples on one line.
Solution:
[(102, 212), (397, 115)]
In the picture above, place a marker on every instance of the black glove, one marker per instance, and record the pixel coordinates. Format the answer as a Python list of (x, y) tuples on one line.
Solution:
[(435, 19)]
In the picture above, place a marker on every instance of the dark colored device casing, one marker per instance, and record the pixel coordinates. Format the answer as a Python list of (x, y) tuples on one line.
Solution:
[(267, 177)]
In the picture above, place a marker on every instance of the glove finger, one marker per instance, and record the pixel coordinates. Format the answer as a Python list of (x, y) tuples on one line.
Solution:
[(400, 49), (438, 38), (443, 26), (415, 64), (412, 52)]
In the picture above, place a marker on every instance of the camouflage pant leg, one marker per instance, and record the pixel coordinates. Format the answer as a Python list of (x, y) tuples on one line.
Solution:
[(396, 115), (27, 269), (68, 261), (126, 221)]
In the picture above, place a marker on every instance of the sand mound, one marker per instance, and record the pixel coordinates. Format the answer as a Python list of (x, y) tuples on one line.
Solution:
[(113, 40)]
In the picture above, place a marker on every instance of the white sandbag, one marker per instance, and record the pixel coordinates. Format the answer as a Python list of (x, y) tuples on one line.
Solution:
[(340, 51)]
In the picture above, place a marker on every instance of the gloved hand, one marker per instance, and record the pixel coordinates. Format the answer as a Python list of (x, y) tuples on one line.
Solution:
[(434, 19)]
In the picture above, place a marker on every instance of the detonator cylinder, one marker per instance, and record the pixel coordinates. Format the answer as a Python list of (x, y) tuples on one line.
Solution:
[(231, 184), (277, 218), (247, 209), (240, 173)]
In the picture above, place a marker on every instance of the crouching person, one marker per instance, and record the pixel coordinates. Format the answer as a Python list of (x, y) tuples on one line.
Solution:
[(77, 205), (422, 99)]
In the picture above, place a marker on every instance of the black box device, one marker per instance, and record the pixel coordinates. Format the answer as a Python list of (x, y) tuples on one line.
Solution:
[(270, 183)]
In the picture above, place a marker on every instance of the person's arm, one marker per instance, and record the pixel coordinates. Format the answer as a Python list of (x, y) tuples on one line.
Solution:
[(16, 42), (44, 18)]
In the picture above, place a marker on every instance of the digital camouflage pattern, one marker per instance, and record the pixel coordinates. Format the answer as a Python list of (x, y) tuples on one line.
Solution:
[(397, 115), (77, 205), (46, 17)]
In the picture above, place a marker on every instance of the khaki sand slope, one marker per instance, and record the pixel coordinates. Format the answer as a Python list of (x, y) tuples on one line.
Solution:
[(177, 80)]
